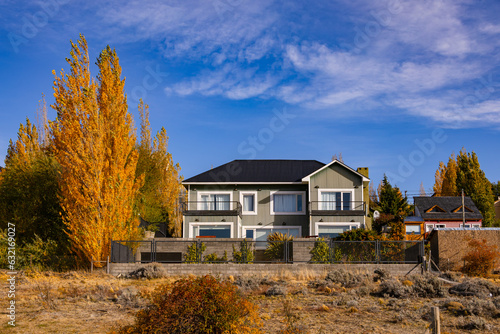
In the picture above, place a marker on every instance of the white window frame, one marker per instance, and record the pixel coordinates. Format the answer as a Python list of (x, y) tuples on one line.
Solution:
[(466, 225), (193, 224), (351, 224), (413, 233), (338, 190), (272, 193), (244, 230), (200, 193), (255, 203), (429, 227), (476, 225)]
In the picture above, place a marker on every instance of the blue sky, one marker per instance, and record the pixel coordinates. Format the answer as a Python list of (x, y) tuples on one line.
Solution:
[(396, 86)]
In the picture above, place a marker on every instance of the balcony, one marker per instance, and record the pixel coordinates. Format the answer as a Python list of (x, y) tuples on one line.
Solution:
[(344, 208), (211, 208)]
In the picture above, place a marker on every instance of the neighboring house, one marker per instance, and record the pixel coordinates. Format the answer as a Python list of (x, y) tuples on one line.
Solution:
[(441, 212), (253, 198)]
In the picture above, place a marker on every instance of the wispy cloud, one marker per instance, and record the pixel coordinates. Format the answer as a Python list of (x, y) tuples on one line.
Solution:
[(423, 58)]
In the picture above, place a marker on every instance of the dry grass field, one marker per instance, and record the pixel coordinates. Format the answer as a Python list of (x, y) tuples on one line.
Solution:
[(80, 302)]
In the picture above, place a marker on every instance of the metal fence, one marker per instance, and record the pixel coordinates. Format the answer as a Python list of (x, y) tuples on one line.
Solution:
[(250, 251)]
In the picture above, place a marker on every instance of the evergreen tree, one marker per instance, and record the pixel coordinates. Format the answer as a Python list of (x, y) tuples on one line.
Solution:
[(391, 200)]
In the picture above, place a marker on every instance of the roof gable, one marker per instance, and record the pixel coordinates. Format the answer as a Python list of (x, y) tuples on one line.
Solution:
[(450, 207), (258, 171), (308, 177)]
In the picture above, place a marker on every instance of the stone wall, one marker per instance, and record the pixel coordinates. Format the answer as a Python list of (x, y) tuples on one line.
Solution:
[(297, 269), (449, 246)]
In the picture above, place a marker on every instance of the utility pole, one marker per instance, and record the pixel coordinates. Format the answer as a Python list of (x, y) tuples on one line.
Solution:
[(463, 210)]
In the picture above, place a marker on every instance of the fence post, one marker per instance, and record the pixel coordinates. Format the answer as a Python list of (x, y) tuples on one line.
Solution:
[(91, 265), (377, 251), (244, 251), (286, 251), (153, 251), (436, 322), (107, 266), (331, 245), (198, 250)]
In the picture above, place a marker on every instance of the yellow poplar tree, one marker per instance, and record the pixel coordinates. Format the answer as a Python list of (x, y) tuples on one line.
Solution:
[(94, 141), (26, 147), (439, 177)]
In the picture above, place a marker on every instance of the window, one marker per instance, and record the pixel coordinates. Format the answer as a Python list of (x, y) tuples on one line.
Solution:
[(476, 226), (412, 229), (336, 199), (210, 230), (249, 202), (429, 227), (440, 226), (333, 230), (287, 203), (215, 201), (466, 225)]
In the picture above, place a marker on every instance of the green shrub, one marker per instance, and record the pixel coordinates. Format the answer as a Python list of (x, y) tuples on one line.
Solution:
[(276, 246), (213, 258), (196, 305), (194, 253), (39, 254), (245, 254), (321, 251)]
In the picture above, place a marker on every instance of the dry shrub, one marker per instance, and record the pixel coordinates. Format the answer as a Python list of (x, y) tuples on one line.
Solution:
[(476, 287), (394, 288), (427, 286), (473, 322), (345, 278), (196, 305), (481, 258), (292, 319)]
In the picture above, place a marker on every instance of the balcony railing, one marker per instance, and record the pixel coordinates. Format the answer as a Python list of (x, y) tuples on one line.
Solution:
[(211, 208), (332, 208)]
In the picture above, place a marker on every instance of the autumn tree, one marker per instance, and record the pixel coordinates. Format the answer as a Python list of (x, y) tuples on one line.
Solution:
[(94, 143), (439, 177), (422, 189), (464, 172), (29, 189), (472, 179), (450, 178), (158, 198)]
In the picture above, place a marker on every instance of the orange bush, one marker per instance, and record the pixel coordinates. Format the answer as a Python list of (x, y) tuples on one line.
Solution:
[(481, 258), (197, 305)]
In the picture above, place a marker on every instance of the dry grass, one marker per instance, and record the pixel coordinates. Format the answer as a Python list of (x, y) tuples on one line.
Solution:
[(80, 302)]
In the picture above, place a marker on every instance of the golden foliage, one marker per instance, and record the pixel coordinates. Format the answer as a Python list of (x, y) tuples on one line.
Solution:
[(26, 147), (160, 195), (93, 139)]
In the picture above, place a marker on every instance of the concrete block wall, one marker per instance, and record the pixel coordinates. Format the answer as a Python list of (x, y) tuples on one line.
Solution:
[(296, 269), (449, 246)]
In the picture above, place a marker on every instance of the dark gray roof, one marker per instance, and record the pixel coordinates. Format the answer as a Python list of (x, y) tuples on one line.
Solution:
[(448, 204), (259, 171)]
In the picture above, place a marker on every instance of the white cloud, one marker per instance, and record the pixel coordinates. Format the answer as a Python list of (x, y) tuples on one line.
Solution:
[(418, 56)]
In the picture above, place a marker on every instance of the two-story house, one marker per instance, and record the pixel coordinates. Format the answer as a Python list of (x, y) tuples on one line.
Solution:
[(253, 198)]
